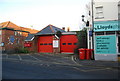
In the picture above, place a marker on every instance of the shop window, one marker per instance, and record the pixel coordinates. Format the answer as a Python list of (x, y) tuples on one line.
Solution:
[(99, 33), (63, 43), (118, 33), (110, 32), (69, 43)]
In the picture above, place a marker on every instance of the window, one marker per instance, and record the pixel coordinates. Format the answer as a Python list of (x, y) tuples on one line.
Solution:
[(110, 32), (99, 33), (0, 32), (63, 43), (50, 43), (45, 43), (16, 33), (41, 43), (119, 10), (17, 41), (118, 33), (69, 43), (75, 43), (99, 12)]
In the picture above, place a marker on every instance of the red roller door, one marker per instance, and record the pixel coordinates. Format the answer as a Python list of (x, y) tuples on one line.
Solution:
[(45, 44), (68, 43)]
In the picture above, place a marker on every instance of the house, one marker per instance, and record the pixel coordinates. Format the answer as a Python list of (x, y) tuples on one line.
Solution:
[(52, 39), (11, 37)]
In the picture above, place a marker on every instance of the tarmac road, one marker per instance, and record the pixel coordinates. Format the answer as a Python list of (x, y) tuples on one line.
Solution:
[(44, 66)]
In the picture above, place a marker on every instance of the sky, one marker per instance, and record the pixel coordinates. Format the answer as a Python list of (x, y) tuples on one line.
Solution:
[(37, 14)]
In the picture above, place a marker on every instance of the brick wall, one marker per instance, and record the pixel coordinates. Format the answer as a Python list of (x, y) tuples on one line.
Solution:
[(12, 41)]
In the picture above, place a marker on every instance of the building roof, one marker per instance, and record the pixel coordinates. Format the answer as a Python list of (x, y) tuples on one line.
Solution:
[(49, 30), (30, 37), (10, 25), (32, 31)]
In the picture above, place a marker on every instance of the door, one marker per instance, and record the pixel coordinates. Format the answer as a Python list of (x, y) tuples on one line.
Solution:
[(118, 44), (45, 44), (68, 43)]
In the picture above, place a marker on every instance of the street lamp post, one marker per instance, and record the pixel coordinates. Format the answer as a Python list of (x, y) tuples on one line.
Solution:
[(87, 26)]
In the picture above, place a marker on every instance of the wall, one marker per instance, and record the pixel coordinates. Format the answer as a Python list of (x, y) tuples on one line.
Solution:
[(110, 9), (11, 41), (105, 21)]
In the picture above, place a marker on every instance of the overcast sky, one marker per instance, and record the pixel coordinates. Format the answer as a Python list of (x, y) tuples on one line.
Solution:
[(40, 13)]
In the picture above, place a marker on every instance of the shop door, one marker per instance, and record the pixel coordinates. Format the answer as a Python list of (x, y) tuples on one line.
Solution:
[(45, 44), (118, 44)]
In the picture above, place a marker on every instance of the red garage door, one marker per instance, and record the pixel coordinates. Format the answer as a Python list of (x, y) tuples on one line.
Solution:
[(45, 44), (68, 43)]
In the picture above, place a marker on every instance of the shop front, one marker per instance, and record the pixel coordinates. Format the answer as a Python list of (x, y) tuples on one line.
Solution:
[(106, 40)]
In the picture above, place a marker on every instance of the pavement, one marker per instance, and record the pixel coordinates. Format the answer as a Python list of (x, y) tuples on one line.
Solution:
[(92, 63), (97, 63)]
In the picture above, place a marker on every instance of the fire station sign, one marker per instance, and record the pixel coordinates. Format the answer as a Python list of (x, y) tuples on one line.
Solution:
[(106, 26), (105, 44), (55, 43)]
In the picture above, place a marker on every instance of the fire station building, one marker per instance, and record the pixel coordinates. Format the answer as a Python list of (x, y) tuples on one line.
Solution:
[(52, 39)]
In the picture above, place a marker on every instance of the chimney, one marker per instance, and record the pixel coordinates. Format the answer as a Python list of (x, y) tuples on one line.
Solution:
[(68, 29), (63, 28)]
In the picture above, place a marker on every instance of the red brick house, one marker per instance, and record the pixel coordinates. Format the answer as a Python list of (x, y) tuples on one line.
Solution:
[(48, 41), (12, 36)]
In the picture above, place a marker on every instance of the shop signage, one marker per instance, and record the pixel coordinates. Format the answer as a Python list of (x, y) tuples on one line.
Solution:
[(106, 26), (105, 44)]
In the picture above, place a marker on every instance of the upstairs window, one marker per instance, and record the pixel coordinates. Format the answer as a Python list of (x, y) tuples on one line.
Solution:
[(119, 10), (99, 12)]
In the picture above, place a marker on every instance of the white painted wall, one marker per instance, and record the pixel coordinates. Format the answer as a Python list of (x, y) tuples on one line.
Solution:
[(110, 9)]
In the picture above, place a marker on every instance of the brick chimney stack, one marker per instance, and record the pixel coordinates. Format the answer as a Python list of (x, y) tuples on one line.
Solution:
[(63, 28), (68, 29)]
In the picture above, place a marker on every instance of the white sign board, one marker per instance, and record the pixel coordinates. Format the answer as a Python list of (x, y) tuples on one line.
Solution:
[(55, 43)]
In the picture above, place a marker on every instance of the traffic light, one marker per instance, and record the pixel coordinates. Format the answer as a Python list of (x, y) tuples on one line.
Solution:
[(87, 23)]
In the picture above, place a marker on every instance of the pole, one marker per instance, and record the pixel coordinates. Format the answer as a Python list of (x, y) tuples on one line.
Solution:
[(92, 41), (88, 38)]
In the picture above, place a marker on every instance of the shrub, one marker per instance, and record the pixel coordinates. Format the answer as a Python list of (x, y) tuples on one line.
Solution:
[(23, 50)]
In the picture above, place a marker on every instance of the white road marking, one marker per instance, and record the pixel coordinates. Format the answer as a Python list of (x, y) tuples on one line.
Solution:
[(19, 57), (6, 56), (76, 62), (91, 69), (34, 57), (97, 69), (79, 69)]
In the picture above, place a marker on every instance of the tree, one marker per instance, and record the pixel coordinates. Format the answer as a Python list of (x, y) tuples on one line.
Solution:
[(82, 40)]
